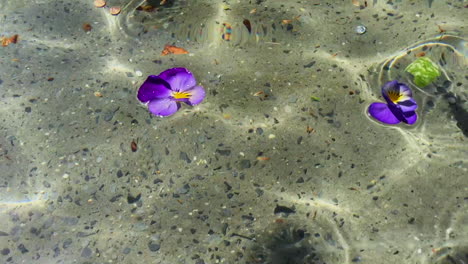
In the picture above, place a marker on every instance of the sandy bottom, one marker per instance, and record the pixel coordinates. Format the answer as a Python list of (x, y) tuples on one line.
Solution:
[(280, 163)]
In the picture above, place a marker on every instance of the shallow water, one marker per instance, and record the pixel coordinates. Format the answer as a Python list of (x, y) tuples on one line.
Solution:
[(281, 162)]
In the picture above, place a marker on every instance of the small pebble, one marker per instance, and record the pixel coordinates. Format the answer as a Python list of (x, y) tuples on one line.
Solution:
[(5, 251), (452, 100), (86, 252), (138, 73), (153, 246)]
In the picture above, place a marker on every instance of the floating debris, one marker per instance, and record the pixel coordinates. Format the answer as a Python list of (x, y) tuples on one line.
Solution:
[(168, 49), (227, 31)]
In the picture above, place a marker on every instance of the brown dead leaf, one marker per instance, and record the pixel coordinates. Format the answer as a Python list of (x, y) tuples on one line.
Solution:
[(87, 27), (8, 40), (146, 8), (168, 49)]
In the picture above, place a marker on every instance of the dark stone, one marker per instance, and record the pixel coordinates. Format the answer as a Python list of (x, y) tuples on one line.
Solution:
[(183, 190), (228, 187), (157, 180), (153, 246), (309, 65), (119, 173), (22, 249), (86, 252), (283, 209), (184, 156), (67, 243), (131, 199), (56, 251), (245, 164), (259, 192), (115, 198), (27, 109), (300, 180), (223, 152), (5, 251)]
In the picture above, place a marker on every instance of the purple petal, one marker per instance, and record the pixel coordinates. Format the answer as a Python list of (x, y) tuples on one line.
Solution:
[(153, 88), (197, 95), (408, 105), (411, 117), (180, 79), (391, 85), (163, 107), (405, 90), (381, 112)]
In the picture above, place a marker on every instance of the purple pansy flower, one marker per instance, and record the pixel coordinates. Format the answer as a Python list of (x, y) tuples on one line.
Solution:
[(163, 93), (400, 106)]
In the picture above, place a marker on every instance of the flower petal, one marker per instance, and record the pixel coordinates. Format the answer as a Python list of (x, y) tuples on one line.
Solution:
[(391, 85), (408, 105), (411, 117), (163, 107), (180, 79), (153, 88), (197, 95), (381, 112), (405, 90)]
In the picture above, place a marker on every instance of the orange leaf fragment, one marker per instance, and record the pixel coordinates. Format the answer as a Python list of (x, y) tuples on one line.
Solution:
[(8, 40), (168, 49), (356, 3), (262, 158), (286, 21), (99, 3), (115, 10), (420, 54)]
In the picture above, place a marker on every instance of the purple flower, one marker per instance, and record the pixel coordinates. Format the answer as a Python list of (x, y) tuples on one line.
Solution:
[(400, 106), (163, 93)]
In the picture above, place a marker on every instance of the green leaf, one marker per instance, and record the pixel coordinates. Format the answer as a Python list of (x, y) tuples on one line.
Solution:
[(315, 98), (424, 71)]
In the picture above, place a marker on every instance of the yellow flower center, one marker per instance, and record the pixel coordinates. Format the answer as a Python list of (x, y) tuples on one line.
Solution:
[(394, 96), (181, 95)]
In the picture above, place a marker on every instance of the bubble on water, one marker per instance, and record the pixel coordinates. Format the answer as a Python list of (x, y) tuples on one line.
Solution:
[(360, 29)]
